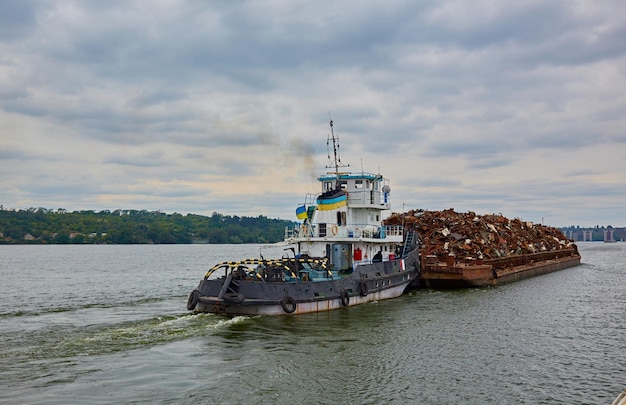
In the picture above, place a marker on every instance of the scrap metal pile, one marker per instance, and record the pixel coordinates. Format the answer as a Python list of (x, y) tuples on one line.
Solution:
[(479, 236)]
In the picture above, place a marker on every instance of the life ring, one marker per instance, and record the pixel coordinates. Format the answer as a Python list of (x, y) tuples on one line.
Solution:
[(334, 229), (289, 304), (305, 277), (363, 289), (193, 299), (345, 298), (233, 298)]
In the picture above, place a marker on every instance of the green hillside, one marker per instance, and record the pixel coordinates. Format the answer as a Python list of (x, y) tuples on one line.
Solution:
[(40, 225)]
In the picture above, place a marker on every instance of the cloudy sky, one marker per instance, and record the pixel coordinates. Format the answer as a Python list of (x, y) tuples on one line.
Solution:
[(488, 106)]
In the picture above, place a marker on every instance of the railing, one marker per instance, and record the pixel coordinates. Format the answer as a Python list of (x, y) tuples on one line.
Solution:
[(514, 261), (499, 263), (349, 231), (367, 198)]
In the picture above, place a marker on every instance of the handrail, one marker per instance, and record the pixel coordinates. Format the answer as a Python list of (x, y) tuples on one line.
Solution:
[(278, 263), (349, 231), (503, 263), (529, 258)]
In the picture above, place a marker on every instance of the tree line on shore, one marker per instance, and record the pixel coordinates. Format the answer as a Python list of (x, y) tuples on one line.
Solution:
[(43, 226)]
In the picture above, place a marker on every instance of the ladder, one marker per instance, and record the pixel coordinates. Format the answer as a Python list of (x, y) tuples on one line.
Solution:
[(409, 239)]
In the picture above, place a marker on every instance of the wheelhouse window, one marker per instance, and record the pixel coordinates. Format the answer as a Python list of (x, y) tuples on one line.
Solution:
[(341, 218)]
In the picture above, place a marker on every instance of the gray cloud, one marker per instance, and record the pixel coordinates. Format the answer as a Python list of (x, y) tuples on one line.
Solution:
[(199, 107), (17, 19)]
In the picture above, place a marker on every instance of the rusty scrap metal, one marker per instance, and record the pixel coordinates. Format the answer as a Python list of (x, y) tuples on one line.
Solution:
[(468, 235)]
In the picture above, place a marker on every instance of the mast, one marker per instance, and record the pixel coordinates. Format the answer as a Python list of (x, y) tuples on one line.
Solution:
[(335, 162)]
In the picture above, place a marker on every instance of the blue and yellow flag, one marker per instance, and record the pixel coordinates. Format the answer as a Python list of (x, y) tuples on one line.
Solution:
[(325, 204), (301, 212)]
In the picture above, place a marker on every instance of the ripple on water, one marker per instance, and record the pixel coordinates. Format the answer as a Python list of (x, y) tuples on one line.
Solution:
[(556, 339)]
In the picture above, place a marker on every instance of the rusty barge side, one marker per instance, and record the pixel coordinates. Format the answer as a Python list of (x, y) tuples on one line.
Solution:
[(470, 272)]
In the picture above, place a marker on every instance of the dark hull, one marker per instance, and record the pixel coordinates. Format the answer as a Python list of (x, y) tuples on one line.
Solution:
[(368, 282)]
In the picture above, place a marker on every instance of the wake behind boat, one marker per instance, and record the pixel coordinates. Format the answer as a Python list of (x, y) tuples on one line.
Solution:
[(342, 254)]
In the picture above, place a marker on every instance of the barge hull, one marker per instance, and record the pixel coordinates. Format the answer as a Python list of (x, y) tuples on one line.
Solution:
[(537, 269), (463, 275)]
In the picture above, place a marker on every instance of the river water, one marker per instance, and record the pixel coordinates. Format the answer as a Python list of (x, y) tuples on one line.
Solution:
[(108, 324)]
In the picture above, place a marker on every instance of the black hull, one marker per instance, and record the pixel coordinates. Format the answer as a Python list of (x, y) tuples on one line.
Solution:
[(368, 282)]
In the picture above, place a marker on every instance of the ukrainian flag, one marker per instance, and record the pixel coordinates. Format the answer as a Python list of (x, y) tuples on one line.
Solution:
[(332, 203), (301, 212)]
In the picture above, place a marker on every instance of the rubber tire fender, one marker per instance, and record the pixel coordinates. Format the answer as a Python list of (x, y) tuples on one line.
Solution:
[(193, 300), (289, 304), (345, 298), (233, 298)]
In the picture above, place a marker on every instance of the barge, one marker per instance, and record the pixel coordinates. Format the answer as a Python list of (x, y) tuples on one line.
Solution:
[(492, 272), (469, 250)]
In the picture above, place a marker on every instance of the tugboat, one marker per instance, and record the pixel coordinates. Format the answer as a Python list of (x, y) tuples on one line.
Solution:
[(342, 254)]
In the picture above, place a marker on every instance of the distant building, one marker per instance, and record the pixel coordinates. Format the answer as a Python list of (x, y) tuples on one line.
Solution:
[(596, 234), (609, 235)]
